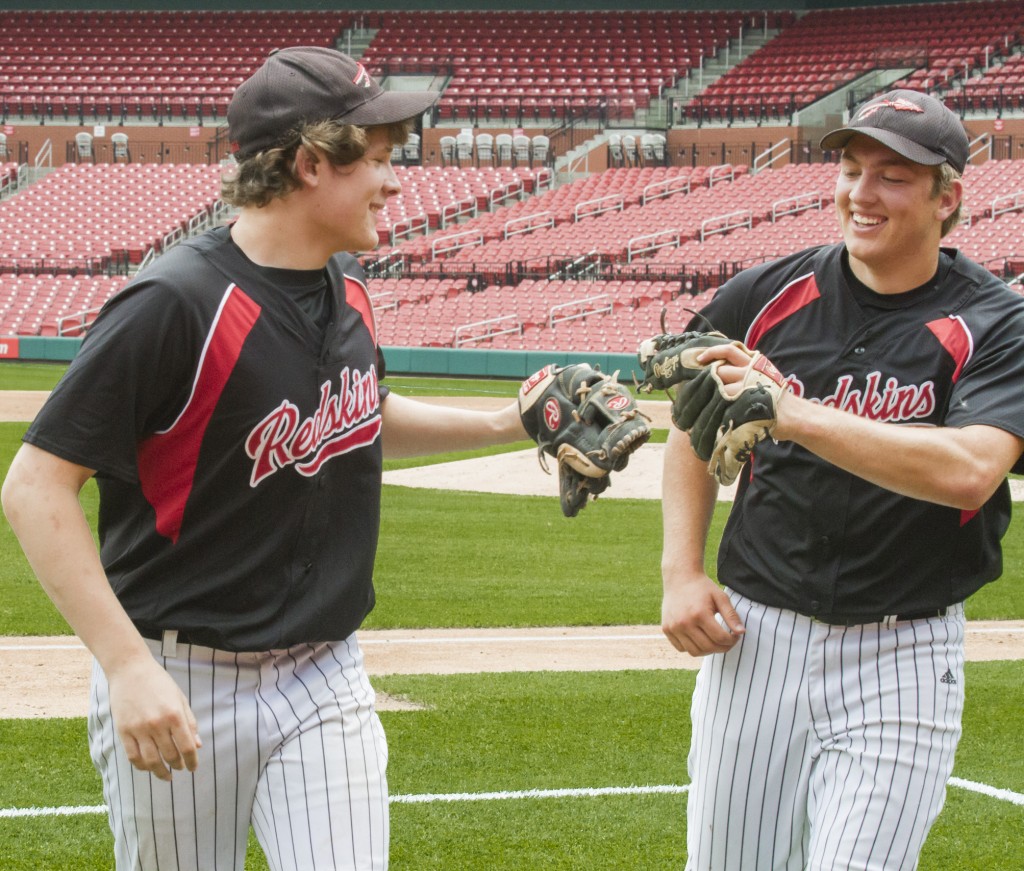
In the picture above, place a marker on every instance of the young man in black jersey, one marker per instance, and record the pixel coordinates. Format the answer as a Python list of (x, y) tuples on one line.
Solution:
[(228, 402), (828, 709)]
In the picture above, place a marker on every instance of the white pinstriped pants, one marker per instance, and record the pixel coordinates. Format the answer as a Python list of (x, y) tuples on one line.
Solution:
[(291, 743), (823, 747)]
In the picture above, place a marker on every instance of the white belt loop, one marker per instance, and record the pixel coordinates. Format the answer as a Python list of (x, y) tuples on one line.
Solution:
[(169, 645)]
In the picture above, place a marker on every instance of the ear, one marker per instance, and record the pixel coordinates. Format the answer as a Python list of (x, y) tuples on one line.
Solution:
[(949, 199), (307, 166)]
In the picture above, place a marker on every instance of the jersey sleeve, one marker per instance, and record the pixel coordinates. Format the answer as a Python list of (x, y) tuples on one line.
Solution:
[(345, 266), (989, 387), (726, 312), (130, 378)]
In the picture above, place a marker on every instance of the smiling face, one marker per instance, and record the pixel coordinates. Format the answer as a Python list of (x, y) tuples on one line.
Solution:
[(890, 217), (349, 198)]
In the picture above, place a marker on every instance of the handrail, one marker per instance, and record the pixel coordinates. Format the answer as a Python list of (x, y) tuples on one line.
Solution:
[(384, 301), (614, 203), (669, 239), (799, 203), (472, 237), (487, 334), (722, 172), (1015, 200), (454, 211), (408, 225), (984, 142), (575, 267), (679, 184), (505, 192), (605, 298), (81, 320), (725, 223), (768, 156), (45, 153), (529, 224)]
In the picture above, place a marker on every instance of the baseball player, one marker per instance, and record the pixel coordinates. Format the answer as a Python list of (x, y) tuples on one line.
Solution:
[(229, 404), (828, 708)]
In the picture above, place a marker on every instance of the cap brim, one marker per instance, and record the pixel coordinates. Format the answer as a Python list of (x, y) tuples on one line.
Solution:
[(900, 144), (390, 107)]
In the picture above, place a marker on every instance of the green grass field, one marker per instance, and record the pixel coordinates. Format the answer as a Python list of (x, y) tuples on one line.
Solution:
[(581, 740)]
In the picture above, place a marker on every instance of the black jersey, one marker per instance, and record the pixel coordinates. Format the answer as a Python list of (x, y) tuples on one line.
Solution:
[(237, 449), (807, 536)]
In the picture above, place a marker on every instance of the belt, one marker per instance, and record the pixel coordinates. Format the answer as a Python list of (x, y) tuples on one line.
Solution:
[(857, 620), (184, 636)]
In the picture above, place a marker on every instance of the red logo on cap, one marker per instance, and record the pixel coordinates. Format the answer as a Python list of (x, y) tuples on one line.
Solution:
[(362, 77), (899, 104)]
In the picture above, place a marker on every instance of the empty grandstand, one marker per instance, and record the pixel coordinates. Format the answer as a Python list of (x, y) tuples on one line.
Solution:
[(578, 173)]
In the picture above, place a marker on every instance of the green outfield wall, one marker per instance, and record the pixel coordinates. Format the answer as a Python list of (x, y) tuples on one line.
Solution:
[(463, 362)]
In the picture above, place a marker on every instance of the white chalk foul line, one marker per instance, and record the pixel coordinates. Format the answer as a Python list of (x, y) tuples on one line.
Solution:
[(991, 791), (13, 812), (538, 793), (592, 792)]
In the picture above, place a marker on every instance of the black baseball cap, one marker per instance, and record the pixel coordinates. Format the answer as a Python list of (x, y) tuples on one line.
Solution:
[(913, 124), (310, 84)]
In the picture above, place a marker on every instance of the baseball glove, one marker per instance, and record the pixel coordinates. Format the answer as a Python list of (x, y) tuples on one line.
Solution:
[(587, 421), (671, 359), (725, 427)]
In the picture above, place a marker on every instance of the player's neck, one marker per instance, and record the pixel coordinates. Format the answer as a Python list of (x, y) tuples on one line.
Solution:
[(273, 236), (899, 278)]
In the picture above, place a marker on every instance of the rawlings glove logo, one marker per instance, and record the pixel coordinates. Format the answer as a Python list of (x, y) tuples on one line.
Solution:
[(552, 415)]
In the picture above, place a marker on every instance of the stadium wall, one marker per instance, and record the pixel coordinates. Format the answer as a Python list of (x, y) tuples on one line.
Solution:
[(432, 5), (464, 362), (175, 143)]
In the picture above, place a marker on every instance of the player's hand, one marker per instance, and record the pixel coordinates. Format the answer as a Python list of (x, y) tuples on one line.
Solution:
[(154, 720), (697, 616), (734, 367)]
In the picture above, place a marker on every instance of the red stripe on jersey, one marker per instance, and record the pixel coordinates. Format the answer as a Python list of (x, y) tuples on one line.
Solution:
[(954, 336), (357, 296), (793, 297), (967, 516), (168, 459)]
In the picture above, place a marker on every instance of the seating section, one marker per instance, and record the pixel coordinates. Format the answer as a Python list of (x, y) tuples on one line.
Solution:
[(509, 67), (436, 197), (147, 65), (602, 215), (491, 253), (544, 65), (826, 49), (474, 310), (67, 242), (994, 235), (50, 305), (703, 225), (85, 218)]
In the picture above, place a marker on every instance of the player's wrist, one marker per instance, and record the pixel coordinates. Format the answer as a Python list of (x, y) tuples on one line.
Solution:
[(789, 414)]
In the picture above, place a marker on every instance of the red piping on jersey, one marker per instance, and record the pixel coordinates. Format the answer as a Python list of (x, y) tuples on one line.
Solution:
[(357, 296), (793, 297), (956, 339), (168, 459)]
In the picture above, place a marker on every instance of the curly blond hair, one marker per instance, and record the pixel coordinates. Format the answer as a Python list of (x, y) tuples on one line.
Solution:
[(270, 173)]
